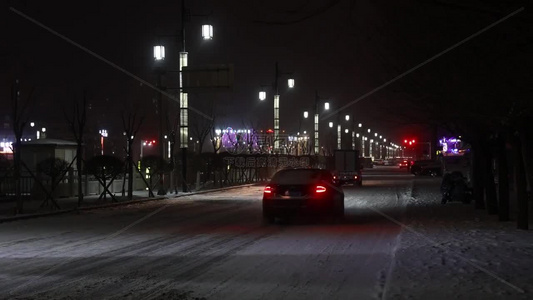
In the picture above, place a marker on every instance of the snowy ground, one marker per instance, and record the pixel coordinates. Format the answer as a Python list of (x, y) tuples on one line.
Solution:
[(457, 252), (397, 242)]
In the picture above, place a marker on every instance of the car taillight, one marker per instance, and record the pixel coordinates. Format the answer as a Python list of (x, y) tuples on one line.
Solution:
[(320, 189), (268, 189), (355, 177)]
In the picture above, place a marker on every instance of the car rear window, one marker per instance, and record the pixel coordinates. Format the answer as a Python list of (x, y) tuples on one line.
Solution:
[(297, 176)]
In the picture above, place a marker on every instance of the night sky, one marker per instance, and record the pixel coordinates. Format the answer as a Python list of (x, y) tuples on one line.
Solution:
[(341, 49)]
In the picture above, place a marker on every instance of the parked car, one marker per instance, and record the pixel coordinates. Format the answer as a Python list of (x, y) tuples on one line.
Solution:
[(427, 167), (302, 191), (379, 162)]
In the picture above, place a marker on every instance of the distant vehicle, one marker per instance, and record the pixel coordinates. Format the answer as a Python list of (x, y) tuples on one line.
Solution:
[(427, 167), (348, 167), (310, 191), (405, 163), (379, 162)]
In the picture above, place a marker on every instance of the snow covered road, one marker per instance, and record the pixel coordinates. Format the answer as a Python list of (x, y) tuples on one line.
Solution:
[(211, 246), (397, 242)]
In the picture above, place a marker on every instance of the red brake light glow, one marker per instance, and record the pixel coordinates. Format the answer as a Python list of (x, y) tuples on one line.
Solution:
[(268, 190), (320, 189)]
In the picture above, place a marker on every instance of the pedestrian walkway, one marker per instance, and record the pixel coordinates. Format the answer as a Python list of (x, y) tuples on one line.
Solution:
[(35, 207)]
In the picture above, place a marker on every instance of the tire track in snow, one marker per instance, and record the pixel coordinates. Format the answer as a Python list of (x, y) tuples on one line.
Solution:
[(131, 249)]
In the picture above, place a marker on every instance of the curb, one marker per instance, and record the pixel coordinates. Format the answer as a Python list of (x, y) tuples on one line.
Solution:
[(142, 200)]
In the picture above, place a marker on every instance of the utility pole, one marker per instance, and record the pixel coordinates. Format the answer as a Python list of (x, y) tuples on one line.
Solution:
[(184, 117), (162, 190)]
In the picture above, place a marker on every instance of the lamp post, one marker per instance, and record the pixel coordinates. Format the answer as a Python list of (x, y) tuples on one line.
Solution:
[(316, 112), (316, 118), (159, 55), (262, 96), (207, 34)]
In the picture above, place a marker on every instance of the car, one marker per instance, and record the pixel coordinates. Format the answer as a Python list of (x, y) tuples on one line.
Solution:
[(405, 163), (354, 178), (379, 162), (302, 191)]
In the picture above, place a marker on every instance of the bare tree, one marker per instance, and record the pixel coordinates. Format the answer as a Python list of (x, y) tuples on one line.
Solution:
[(201, 126), (77, 121), (131, 124), (20, 120)]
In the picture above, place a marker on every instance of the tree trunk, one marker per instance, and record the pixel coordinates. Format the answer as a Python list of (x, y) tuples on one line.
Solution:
[(503, 180), (520, 185), (79, 155), (490, 186), (478, 169), (16, 176), (130, 171)]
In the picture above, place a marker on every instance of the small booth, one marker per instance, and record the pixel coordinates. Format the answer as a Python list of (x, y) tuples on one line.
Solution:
[(36, 151)]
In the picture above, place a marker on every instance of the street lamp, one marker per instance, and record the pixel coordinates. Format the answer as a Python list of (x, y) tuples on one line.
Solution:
[(339, 141), (262, 96), (159, 52), (147, 144), (316, 118), (207, 32), (103, 134)]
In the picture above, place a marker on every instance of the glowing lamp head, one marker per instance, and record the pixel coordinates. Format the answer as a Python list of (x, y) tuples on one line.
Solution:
[(207, 32), (262, 95), (290, 82), (159, 52)]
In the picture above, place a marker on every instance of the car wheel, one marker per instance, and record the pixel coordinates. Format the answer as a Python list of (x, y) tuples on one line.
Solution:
[(360, 183)]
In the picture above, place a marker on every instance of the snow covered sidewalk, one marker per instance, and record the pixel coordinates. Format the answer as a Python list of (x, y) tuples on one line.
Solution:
[(454, 251), (33, 208)]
